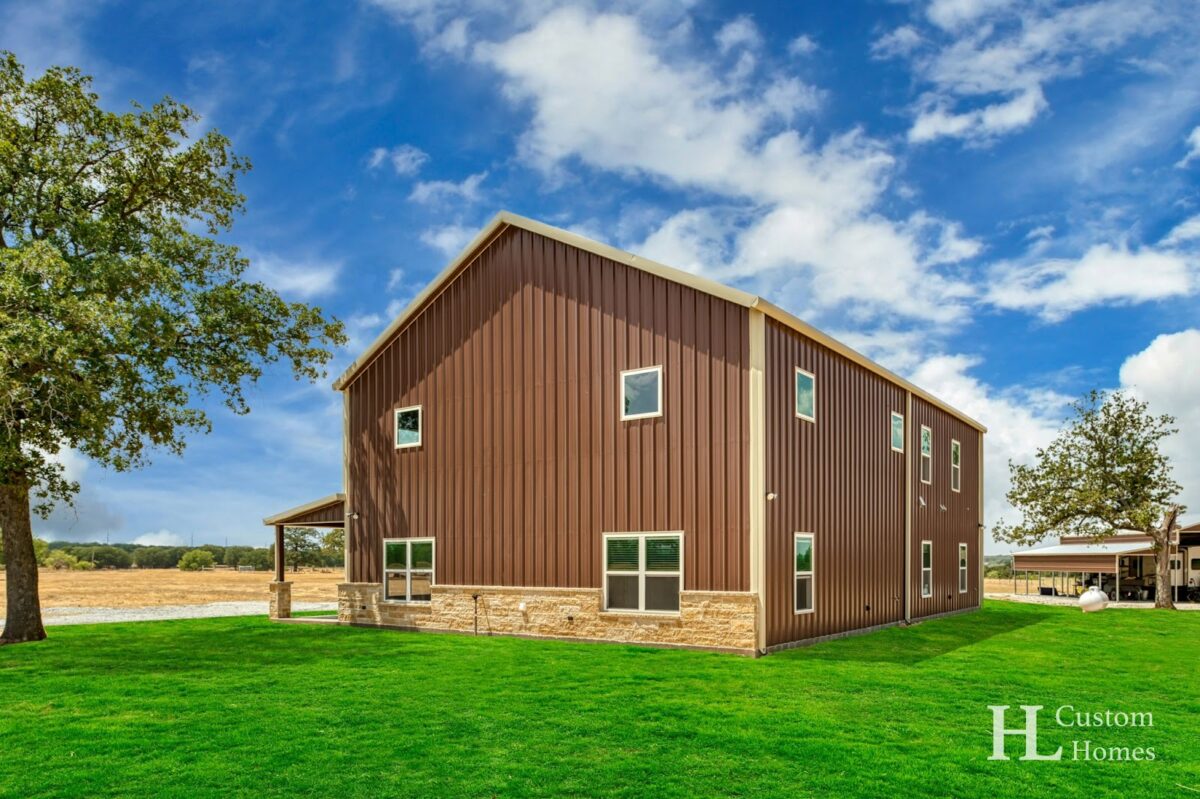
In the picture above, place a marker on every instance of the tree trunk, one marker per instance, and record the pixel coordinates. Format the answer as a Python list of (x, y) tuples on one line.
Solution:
[(1162, 560), (24, 622)]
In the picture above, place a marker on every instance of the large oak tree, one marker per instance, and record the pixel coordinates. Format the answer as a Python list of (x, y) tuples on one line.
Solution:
[(119, 305), (1103, 473)]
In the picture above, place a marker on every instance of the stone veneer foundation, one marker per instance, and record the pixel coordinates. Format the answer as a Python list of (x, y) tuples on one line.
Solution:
[(723, 621), (280, 606)]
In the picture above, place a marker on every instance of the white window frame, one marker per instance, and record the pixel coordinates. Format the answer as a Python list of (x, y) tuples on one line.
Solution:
[(408, 570), (955, 468), (811, 574), (926, 586), (796, 396), (644, 370), (964, 566), (903, 431), (641, 572), (396, 426), (921, 452)]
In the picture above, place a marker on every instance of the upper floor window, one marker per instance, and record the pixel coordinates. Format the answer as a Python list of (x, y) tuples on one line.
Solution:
[(897, 432), (926, 455), (408, 427), (408, 569), (955, 465), (641, 393), (643, 571), (806, 395)]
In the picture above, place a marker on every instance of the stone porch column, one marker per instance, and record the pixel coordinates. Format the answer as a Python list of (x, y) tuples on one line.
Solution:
[(281, 600)]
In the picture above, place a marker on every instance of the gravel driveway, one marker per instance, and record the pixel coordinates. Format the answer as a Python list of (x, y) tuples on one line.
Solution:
[(78, 615)]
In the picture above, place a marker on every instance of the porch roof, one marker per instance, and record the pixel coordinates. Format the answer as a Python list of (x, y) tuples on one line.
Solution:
[(327, 511), (1106, 548)]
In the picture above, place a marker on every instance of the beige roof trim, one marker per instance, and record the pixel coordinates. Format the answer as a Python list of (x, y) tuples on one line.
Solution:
[(307, 507), (504, 219)]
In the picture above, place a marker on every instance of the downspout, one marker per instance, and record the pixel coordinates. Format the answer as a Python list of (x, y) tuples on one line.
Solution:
[(908, 502), (347, 506), (757, 489)]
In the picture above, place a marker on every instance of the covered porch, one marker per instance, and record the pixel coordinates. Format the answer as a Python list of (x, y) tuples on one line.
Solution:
[(326, 512)]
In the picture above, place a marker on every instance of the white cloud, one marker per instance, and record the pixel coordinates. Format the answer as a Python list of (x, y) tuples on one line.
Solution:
[(439, 191), (900, 42), (1115, 275), (448, 239), (300, 278), (161, 538), (741, 32), (802, 45), (1193, 143), (404, 159), (1165, 374), (395, 279), (1187, 230), (996, 56)]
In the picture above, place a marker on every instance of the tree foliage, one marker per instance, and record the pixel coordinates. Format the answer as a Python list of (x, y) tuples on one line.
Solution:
[(196, 559), (301, 547), (1104, 472)]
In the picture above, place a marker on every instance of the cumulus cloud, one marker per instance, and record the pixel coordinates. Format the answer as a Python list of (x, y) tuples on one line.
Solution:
[(988, 61), (301, 278), (161, 538), (802, 45), (1105, 274), (1193, 144), (1185, 231), (440, 191), (404, 159), (1165, 374), (448, 239)]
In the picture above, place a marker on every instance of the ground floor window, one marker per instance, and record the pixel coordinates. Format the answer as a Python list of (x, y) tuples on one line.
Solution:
[(408, 569), (643, 571), (962, 568), (804, 571), (926, 569)]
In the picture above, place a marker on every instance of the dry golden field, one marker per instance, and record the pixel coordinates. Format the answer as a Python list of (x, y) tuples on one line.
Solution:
[(133, 588)]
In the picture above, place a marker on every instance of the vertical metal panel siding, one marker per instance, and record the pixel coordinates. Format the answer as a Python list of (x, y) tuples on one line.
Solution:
[(838, 479), (524, 460), (958, 523)]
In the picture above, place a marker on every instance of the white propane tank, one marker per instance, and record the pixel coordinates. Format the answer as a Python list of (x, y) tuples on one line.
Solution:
[(1093, 600)]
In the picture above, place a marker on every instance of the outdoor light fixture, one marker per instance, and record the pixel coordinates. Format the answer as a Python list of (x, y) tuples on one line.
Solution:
[(771, 496), (353, 515)]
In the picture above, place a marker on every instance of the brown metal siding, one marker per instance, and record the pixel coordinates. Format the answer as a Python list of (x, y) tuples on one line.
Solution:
[(947, 518), (1105, 564), (838, 479), (524, 461), (328, 515)]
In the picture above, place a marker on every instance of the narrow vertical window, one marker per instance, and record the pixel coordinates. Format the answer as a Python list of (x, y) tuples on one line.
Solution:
[(804, 573), (962, 568), (926, 455), (408, 427), (408, 569), (897, 432), (641, 393), (955, 465), (926, 569), (806, 395), (643, 571)]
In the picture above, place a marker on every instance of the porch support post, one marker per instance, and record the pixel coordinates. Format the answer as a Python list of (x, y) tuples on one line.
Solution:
[(279, 553)]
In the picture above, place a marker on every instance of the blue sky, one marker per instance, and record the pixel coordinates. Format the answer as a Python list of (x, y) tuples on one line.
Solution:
[(997, 198)]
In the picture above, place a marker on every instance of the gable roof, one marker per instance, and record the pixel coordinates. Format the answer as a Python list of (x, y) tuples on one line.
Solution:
[(504, 220)]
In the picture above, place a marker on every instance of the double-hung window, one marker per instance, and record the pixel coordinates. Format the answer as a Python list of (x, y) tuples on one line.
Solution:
[(643, 571), (926, 455), (806, 395), (955, 465), (802, 602), (408, 569), (408, 427), (962, 568), (641, 393), (926, 569), (897, 432)]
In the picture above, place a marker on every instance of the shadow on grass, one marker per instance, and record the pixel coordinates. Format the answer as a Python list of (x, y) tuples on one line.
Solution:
[(929, 639)]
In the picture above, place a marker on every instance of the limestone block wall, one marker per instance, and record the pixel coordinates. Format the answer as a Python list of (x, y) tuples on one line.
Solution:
[(724, 620)]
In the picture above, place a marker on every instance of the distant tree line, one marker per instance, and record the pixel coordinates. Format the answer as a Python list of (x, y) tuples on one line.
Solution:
[(303, 547)]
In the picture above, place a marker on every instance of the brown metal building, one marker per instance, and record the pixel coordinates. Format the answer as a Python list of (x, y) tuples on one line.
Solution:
[(558, 438)]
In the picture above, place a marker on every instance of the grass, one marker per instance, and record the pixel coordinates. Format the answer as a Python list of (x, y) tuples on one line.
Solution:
[(243, 707)]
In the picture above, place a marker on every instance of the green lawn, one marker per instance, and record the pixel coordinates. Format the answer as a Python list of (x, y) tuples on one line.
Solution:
[(224, 707)]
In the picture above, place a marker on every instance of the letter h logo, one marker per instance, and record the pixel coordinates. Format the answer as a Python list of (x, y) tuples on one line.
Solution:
[(1030, 732)]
